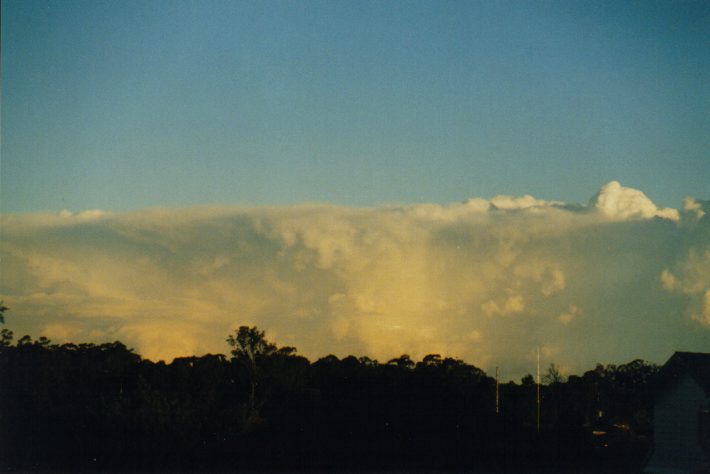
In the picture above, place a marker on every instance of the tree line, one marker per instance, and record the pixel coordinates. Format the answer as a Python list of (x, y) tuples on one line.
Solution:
[(103, 407)]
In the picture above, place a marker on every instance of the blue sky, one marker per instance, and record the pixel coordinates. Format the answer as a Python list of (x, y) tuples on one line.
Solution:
[(123, 105)]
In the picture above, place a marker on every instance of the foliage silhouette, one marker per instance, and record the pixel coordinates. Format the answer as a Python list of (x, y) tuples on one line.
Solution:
[(3, 308), (102, 407), (262, 360), (6, 335), (553, 375)]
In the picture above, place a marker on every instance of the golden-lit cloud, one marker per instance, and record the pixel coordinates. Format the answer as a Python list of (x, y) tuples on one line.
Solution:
[(693, 281), (484, 280), (569, 314)]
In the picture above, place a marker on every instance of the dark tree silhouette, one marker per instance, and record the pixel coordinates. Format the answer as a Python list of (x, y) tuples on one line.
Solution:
[(6, 335), (3, 308), (403, 362), (251, 349), (249, 345), (101, 407), (553, 375)]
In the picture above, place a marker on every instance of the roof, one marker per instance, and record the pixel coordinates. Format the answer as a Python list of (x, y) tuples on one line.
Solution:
[(696, 364)]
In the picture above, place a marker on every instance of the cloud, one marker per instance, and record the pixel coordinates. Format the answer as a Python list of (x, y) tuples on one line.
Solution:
[(618, 202), (484, 280), (689, 275), (512, 305), (81, 216), (568, 315), (691, 278), (695, 208), (527, 202)]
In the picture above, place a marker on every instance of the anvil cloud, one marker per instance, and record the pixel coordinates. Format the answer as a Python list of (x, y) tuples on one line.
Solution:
[(486, 280)]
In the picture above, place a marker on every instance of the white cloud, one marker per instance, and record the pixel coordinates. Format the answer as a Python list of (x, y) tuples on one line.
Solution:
[(485, 280), (511, 203), (84, 215), (619, 203)]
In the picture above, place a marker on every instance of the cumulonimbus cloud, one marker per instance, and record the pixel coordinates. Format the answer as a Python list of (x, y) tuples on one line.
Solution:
[(484, 280)]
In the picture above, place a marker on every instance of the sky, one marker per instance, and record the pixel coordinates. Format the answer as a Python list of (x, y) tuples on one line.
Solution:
[(123, 105), (474, 179)]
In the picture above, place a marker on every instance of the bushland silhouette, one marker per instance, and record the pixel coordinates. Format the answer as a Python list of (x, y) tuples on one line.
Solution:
[(103, 407)]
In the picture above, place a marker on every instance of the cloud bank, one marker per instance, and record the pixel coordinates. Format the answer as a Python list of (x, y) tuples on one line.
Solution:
[(484, 280)]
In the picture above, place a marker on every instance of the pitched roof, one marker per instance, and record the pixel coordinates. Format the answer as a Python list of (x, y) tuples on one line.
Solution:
[(697, 364)]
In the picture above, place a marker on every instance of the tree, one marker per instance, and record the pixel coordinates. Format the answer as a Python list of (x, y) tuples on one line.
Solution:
[(553, 375), (249, 347), (249, 344), (3, 308), (403, 361), (431, 360), (6, 337)]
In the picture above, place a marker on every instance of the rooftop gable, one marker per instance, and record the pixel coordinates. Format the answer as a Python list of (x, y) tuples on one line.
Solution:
[(696, 364)]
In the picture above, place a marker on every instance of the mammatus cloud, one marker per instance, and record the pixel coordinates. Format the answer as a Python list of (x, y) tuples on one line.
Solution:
[(484, 280)]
